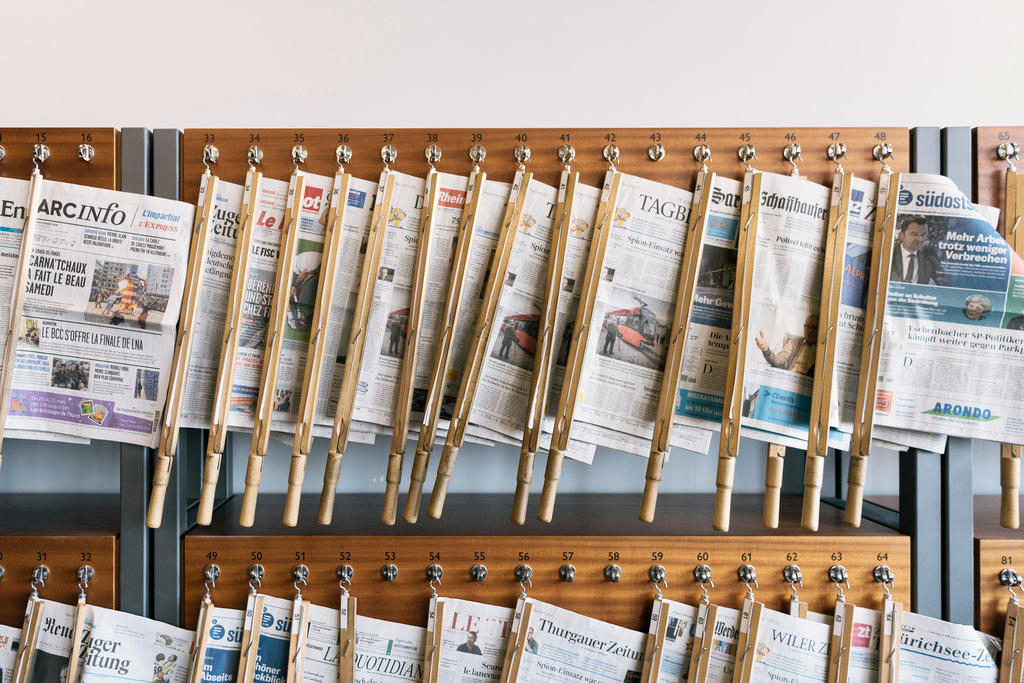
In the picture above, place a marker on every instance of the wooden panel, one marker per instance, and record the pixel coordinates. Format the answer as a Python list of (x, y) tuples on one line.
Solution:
[(63, 164), (677, 167), (995, 549), (473, 529)]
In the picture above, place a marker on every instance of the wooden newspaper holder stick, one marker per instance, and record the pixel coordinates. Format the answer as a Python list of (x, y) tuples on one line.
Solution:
[(728, 446), (407, 380), (435, 636), (514, 650), (842, 641), (74, 657), (874, 316), (704, 629), (446, 339), (183, 343), (347, 635), (654, 647), (333, 233), (29, 638), (298, 634), (540, 379), (1010, 662), (250, 638), (40, 153), (276, 329), (825, 351), (889, 641), (1013, 232), (481, 334), (195, 667), (217, 439), (580, 333), (671, 375), (357, 337)]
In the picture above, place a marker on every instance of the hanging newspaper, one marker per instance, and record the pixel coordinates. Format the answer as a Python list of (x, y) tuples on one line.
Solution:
[(268, 215), (864, 645), (621, 374), (953, 347), (321, 654), (472, 638), (105, 281), (223, 646), (9, 638), (672, 659), (126, 647), (790, 649), (211, 306), (386, 327), (935, 650), (718, 643), (388, 651), (556, 644), (52, 648), (504, 382), (275, 625)]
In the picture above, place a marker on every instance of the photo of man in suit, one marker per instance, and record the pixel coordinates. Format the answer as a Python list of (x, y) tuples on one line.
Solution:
[(913, 260), (797, 352)]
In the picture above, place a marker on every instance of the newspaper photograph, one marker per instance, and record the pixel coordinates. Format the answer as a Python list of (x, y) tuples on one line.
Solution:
[(105, 280), (321, 655), (953, 338), (790, 649), (274, 640), (126, 647), (677, 648), (626, 350), (490, 211), (563, 645), (785, 300), (53, 644), (387, 325), (935, 650), (211, 304), (473, 638), (9, 639), (223, 646), (387, 651), (268, 216)]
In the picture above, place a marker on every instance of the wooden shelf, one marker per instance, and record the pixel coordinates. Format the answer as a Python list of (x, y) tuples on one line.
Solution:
[(590, 531), (995, 549)]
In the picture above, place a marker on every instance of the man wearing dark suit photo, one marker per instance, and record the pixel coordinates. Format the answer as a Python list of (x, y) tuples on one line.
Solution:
[(913, 260)]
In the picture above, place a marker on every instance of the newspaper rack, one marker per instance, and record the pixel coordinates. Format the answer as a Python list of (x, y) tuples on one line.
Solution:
[(407, 381)]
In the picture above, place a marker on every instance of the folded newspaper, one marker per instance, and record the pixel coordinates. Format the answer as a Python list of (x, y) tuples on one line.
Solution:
[(126, 647), (555, 644), (387, 651), (953, 342), (9, 638), (791, 649), (49, 661), (670, 663), (472, 638), (105, 281), (223, 646), (274, 626), (718, 635), (935, 650)]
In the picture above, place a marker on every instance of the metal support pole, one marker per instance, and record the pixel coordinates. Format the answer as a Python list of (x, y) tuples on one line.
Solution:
[(920, 518)]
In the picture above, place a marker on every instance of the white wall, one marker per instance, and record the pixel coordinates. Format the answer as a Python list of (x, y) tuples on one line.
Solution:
[(522, 63)]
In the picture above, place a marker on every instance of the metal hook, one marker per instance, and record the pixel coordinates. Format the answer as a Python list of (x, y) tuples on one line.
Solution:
[(254, 155), (1008, 151), (792, 154), (837, 575), (388, 154), (702, 155), (747, 153), (256, 573), (211, 573), (3, 152), (659, 575), (434, 574), (611, 155), (702, 573), (656, 152), (300, 573), (210, 156), (792, 575), (477, 154), (748, 574), (345, 573), (566, 154), (85, 575), (522, 155), (40, 153), (882, 152), (524, 572), (343, 155), (433, 154), (40, 574), (1010, 578), (836, 152), (299, 155)]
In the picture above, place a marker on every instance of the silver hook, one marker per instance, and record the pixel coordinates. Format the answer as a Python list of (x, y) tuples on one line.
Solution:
[(792, 154), (567, 154), (1010, 578), (837, 575), (40, 574), (256, 572), (211, 573), (522, 155), (388, 154), (477, 154), (747, 153), (40, 153), (434, 574), (702, 155), (1008, 151), (345, 574), (882, 152), (792, 575), (659, 576), (836, 152), (254, 156), (343, 155), (748, 575), (611, 155), (300, 573), (433, 154), (85, 575), (210, 156), (299, 155), (524, 573)]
